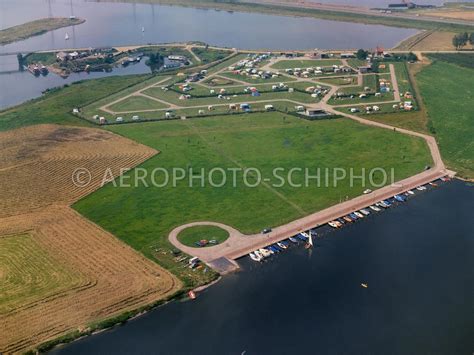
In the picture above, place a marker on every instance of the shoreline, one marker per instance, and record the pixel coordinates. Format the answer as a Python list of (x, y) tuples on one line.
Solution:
[(36, 28)]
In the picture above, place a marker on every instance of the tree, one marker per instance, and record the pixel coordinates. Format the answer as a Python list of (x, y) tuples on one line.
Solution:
[(471, 38), (412, 57), (460, 40), (362, 54)]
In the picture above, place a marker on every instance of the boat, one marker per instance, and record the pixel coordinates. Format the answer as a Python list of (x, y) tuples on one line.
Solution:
[(143, 29), (364, 285), (358, 214), (341, 220), (192, 295), (269, 250), (264, 252), (420, 188), (364, 212), (273, 249), (254, 257), (66, 37), (338, 224), (302, 237), (310, 242), (353, 216), (374, 208), (332, 224), (305, 235), (387, 202), (258, 255), (410, 192), (281, 245), (400, 198), (293, 239), (44, 70), (277, 248), (347, 219), (433, 184)]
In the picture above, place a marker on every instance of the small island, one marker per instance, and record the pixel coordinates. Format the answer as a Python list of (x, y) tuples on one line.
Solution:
[(36, 28)]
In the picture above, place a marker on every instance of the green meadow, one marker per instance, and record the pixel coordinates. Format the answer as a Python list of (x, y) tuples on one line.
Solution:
[(448, 93), (142, 215)]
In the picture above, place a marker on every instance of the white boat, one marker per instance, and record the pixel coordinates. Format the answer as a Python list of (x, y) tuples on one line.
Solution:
[(374, 208), (410, 192), (358, 214), (254, 257), (143, 29), (66, 37), (332, 224), (281, 245), (310, 239), (258, 254), (364, 212), (266, 253)]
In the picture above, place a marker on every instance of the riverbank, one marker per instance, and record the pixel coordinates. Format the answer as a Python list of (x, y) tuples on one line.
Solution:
[(320, 11), (36, 28)]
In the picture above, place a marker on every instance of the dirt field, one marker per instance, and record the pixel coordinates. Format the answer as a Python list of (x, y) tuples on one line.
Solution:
[(60, 272), (451, 14), (429, 41), (37, 164), (112, 278)]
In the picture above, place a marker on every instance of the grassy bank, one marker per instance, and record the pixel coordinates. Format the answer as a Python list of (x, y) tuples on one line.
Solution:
[(190, 236), (446, 89), (35, 28), (243, 6)]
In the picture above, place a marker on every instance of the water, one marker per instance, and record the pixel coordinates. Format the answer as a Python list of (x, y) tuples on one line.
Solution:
[(417, 259), (120, 24), (17, 87), (111, 24)]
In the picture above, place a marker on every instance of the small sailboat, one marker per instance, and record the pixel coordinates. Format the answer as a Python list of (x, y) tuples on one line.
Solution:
[(143, 29), (66, 36), (310, 242), (364, 285)]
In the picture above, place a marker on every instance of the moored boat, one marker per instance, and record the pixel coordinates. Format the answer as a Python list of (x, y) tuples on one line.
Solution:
[(266, 253), (410, 192), (364, 212), (293, 239), (281, 245), (254, 257), (347, 219), (358, 214), (374, 208)]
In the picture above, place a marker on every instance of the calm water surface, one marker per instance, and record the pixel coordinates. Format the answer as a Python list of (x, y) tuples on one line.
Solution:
[(417, 258)]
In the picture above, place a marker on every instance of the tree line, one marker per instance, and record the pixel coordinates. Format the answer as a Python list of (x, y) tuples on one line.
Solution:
[(462, 39)]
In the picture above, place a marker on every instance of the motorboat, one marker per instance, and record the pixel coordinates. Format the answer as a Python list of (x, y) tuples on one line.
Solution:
[(358, 214), (410, 192), (254, 257), (364, 212), (374, 208), (266, 253), (293, 239), (281, 245), (258, 255), (347, 219)]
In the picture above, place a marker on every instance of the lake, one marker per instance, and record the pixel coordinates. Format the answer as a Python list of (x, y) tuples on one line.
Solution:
[(418, 262)]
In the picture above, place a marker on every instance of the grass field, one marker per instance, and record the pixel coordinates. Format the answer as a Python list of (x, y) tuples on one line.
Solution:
[(210, 55), (35, 28), (263, 141), (191, 235), (305, 63), (449, 99), (136, 103)]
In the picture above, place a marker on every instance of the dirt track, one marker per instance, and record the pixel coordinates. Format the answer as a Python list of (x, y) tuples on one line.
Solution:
[(36, 165)]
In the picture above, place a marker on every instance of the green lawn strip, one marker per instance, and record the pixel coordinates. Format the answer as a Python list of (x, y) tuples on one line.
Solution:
[(143, 216), (56, 105), (305, 63), (226, 63), (136, 103), (342, 81), (210, 55), (250, 80), (190, 236), (447, 92), (462, 59)]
